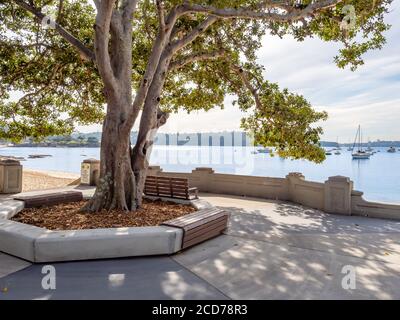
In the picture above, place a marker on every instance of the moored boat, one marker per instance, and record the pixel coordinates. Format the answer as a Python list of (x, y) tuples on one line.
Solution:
[(263, 150), (360, 153)]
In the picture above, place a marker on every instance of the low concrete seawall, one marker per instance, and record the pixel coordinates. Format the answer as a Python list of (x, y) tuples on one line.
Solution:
[(336, 195), (361, 207)]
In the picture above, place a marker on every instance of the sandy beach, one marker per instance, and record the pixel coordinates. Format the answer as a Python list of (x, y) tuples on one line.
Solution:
[(39, 180)]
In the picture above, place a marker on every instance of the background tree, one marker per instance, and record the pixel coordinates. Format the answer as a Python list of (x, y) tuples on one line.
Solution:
[(145, 59)]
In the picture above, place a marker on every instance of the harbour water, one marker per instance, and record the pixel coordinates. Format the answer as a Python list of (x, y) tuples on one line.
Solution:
[(378, 177)]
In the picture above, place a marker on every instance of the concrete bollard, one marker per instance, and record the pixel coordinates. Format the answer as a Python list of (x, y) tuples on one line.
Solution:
[(10, 176), (90, 172)]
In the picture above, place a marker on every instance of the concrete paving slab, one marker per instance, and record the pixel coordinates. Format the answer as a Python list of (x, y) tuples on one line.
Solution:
[(294, 225), (250, 269), (138, 278), (10, 264)]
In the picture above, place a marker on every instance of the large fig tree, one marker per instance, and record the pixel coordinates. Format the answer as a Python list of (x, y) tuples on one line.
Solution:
[(61, 61)]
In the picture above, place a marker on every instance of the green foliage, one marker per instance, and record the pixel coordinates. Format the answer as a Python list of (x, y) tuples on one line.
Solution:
[(59, 90), (285, 121), (56, 88)]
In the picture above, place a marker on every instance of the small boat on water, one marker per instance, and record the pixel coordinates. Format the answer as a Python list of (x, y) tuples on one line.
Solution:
[(391, 150), (360, 153), (337, 152), (263, 150), (328, 153), (39, 156)]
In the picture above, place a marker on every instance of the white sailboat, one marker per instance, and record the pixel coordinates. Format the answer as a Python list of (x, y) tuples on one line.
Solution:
[(360, 153)]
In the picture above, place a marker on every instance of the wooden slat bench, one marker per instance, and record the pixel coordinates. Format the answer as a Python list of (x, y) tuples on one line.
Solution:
[(169, 187), (50, 199), (200, 226)]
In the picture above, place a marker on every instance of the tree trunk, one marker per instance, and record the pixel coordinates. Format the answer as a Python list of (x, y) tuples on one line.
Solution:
[(117, 185), (151, 120), (122, 169)]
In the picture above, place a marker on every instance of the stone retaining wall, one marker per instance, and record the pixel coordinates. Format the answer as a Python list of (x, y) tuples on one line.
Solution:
[(336, 195)]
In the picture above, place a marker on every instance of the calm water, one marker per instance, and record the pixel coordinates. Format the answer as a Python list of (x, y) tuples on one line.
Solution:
[(378, 177)]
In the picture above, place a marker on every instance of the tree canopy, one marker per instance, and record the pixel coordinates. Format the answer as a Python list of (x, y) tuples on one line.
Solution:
[(59, 84)]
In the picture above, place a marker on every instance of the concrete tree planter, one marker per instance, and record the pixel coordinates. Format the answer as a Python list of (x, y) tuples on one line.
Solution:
[(42, 245)]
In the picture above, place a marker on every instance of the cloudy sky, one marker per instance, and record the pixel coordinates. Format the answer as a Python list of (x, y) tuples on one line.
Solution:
[(369, 96)]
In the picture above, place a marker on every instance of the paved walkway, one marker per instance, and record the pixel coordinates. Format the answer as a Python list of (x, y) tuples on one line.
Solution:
[(272, 250)]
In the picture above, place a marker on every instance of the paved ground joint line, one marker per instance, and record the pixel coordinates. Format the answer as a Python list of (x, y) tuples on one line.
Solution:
[(196, 275)]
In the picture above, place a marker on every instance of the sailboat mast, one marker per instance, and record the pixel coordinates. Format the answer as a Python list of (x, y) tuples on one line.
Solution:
[(355, 139)]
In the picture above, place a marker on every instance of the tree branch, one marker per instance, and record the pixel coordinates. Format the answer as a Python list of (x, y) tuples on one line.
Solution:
[(192, 35), (128, 8), (246, 81), (85, 52), (102, 35), (60, 11), (263, 10), (196, 57), (159, 45), (161, 14)]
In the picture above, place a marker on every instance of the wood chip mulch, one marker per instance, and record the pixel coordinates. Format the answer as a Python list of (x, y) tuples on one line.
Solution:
[(66, 216)]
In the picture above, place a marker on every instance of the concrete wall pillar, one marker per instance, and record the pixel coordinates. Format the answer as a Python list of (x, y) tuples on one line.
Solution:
[(10, 176), (90, 172), (293, 178), (338, 191), (154, 170), (201, 178)]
